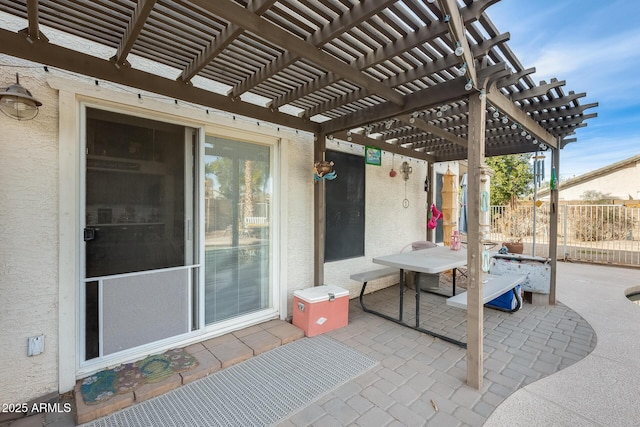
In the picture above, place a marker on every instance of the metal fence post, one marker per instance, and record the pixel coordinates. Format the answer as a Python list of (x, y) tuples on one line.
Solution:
[(565, 231)]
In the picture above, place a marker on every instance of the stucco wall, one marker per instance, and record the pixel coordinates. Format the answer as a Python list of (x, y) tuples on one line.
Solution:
[(299, 236), (389, 227), (29, 220), (620, 184), (28, 241)]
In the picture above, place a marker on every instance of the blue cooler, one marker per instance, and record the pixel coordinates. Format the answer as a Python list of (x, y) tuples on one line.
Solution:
[(509, 301)]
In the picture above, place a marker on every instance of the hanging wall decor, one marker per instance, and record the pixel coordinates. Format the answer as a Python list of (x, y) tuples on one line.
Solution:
[(433, 215), (372, 156), (405, 170), (392, 172), (324, 170)]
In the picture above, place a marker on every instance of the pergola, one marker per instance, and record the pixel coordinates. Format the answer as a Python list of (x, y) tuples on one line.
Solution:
[(429, 79)]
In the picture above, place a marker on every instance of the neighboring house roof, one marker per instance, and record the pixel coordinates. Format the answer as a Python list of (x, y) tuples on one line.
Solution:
[(590, 176)]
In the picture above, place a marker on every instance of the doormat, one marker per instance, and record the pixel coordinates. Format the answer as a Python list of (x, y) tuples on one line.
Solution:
[(257, 392), (122, 379)]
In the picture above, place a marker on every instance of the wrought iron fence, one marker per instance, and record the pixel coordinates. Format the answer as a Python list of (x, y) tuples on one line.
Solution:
[(595, 233)]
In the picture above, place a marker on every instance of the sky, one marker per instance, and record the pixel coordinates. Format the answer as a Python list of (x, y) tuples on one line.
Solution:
[(593, 45)]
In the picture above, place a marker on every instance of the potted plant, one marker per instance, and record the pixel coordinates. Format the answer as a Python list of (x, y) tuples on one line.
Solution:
[(514, 246)]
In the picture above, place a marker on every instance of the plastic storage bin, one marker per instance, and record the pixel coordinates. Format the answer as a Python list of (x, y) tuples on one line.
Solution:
[(507, 301), (320, 309)]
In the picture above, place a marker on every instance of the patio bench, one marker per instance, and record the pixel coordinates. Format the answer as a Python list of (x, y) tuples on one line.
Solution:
[(366, 276), (493, 287)]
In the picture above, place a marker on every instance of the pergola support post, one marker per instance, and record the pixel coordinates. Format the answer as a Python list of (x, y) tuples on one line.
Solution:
[(553, 226), (319, 149), (475, 307)]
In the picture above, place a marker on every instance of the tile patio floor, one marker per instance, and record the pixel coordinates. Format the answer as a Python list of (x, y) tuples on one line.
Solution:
[(421, 380), (418, 373)]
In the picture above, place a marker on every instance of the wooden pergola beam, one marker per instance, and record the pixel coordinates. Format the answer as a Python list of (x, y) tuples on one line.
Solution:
[(449, 91), (554, 103), (515, 77), (413, 39), (56, 56), (33, 30), (538, 90), (419, 72), (435, 130), (507, 107), (360, 13), (457, 31), (364, 140), (238, 15), (220, 43), (569, 112), (134, 28)]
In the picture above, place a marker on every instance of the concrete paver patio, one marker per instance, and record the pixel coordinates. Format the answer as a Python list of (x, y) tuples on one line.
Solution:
[(421, 380), (536, 372), (603, 389)]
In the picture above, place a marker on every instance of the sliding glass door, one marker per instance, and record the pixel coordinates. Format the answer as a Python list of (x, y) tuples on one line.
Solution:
[(238, 192), (150, 221), (138, 232)]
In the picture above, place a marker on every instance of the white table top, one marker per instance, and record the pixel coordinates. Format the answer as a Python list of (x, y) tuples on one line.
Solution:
[(430, 261)]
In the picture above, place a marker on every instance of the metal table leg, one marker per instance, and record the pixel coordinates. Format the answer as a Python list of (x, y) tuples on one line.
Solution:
[(401, 307)]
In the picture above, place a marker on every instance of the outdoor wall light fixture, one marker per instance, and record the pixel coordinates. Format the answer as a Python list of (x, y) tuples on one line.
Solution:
[(496, 114), (459, 49), (482, 95), (18, 103)]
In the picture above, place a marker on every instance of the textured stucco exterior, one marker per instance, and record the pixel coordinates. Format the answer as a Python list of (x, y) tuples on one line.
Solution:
[(31, 231), (389, 227), (28, 241), (618, 181), (619, 184)]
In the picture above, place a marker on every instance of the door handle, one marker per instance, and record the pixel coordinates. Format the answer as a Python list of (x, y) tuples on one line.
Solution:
[(89, 234)]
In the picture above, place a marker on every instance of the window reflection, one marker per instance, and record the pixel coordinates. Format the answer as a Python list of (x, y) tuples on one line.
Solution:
[(237, 224)]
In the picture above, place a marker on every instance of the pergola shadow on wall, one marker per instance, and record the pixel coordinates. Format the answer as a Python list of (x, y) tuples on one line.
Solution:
[(429, 79)]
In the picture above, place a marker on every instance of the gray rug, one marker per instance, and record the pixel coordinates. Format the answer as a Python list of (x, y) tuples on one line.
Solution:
[(258, 392)]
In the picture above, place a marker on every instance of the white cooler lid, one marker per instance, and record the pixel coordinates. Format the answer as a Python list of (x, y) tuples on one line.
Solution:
[(320, 293)]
